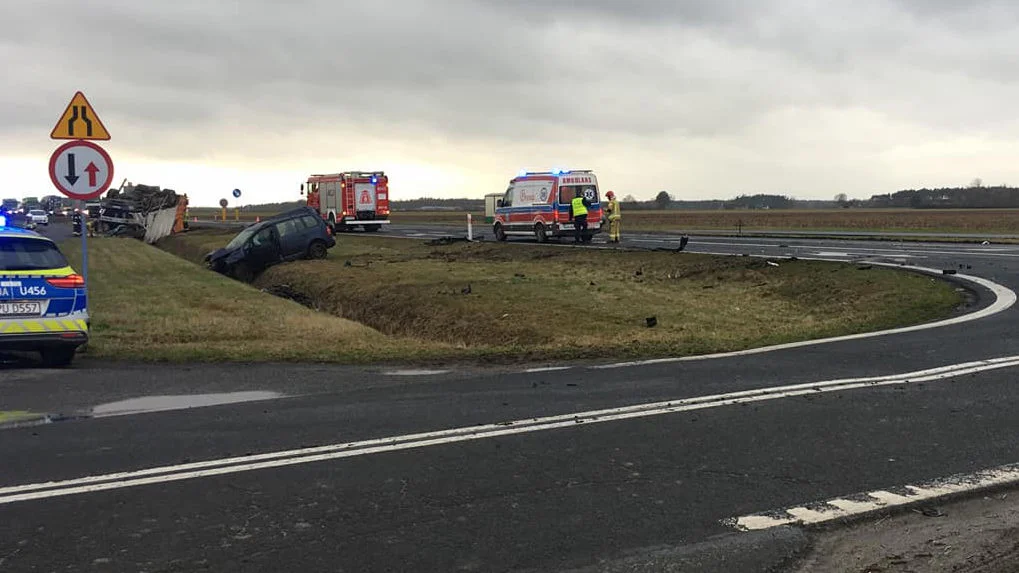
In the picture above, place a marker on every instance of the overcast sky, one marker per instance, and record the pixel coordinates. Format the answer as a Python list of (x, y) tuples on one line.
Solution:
[(453, 97)]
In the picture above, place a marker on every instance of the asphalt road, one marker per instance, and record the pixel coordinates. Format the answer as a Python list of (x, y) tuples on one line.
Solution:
[(648, 488)]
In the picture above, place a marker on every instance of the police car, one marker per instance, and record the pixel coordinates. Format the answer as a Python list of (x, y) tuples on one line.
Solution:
[(42, 300)]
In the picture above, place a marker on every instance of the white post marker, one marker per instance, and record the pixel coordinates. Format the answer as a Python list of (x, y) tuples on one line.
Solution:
[(470, 228)]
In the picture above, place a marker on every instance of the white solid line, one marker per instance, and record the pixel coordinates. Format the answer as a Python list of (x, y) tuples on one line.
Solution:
[(547, 369), (1004, 298), (839, 508), (443, 437), (415, 372)]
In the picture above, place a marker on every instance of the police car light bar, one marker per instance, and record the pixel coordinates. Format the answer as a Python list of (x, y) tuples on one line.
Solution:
[(3, 221)]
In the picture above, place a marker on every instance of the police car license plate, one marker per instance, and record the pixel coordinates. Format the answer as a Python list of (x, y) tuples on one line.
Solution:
[(21, 308)]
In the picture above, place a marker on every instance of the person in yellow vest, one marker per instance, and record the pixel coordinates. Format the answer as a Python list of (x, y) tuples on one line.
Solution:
[(614, 217), (578, 214)]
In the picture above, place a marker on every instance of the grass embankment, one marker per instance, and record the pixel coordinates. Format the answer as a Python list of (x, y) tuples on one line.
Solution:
[(527, 302), (147, 304)]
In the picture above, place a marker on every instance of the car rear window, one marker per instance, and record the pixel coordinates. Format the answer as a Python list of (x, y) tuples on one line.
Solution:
[(22, 254)]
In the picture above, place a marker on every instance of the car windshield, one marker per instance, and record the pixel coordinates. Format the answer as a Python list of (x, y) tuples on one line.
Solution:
[(24, 254), (241, 238)]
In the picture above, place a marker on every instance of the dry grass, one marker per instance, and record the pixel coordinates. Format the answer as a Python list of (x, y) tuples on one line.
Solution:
[(531, 302), (990, 221), (148, 304)]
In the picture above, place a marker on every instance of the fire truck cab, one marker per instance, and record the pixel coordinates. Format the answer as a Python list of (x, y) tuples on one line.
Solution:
[(350, 199), (538, 204)]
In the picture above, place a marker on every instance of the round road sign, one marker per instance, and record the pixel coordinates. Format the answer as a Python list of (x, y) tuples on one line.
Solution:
[(81, 170), (237, 193), (222, 203)]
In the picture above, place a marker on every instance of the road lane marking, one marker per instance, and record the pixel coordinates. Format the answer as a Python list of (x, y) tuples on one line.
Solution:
[(415, 372), (172, 473), (547, 369), (859, 505), (1004, 298)]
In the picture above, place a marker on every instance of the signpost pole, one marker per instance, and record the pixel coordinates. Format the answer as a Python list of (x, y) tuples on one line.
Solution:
[(470, 228), (84, 244)]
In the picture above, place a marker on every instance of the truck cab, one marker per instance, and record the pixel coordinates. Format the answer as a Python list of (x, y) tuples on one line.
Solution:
[(538, 204)]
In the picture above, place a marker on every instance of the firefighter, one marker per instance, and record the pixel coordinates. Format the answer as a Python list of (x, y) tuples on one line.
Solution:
[(578, 214), (614, 217)]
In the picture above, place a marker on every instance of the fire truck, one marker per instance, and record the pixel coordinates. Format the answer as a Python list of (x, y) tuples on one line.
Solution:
[(350, 199)]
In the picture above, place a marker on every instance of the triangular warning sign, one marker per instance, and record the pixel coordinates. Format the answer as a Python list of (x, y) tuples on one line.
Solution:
[(79, 121)]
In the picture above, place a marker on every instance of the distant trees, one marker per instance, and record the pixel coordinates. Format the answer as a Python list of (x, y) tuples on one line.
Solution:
[(663, 200), (972, 197), (760, 201), (629, 199), (842, 200)]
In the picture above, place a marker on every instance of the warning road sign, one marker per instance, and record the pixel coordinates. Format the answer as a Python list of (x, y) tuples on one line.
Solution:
[(79, 121), (81, 170)]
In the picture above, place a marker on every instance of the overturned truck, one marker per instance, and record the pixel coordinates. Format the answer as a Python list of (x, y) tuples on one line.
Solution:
[(143, 211)]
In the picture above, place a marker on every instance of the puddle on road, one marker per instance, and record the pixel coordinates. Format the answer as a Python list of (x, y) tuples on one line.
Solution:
[(183, 402)]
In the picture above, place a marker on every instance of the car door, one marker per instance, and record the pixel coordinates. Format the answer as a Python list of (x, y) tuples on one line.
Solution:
[(291, 237), (264, 248)]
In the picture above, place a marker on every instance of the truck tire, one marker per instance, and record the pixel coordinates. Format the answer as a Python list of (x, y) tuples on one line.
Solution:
[(317, 250), (539, 233), (500, 234)]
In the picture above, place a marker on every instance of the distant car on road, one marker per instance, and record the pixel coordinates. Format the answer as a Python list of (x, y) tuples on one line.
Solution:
[(297, 234), (42, 300), (39, 217)]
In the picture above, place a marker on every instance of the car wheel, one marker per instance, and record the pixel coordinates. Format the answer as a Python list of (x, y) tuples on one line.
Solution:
[(57, 357), (500, 234), (317, 250), (539, 233)]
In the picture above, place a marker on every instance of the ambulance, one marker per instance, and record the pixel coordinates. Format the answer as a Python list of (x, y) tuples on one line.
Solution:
[(538, 204), (350, 199)]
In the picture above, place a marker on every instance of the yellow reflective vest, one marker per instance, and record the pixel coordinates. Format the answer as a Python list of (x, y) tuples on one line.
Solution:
[(578, 206)]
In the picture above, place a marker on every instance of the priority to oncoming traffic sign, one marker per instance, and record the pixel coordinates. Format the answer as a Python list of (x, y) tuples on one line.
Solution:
[(81, 170)]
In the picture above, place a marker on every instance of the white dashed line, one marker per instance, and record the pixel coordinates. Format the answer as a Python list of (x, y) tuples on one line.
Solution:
[(880, 500), (415, 372), (278, 459)]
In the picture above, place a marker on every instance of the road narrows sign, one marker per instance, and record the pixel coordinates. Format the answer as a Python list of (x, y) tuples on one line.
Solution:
[(79, 121), (81, 170)]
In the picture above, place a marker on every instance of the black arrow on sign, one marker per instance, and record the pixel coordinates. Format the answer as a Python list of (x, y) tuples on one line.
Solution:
[(70, 122), (71, 176), (88, 122)]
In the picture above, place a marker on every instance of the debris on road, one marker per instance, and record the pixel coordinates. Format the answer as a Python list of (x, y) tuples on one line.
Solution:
[(652, 321), (447, 240)]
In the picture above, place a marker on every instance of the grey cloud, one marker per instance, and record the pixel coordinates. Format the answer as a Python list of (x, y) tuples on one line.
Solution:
[(513, 71)]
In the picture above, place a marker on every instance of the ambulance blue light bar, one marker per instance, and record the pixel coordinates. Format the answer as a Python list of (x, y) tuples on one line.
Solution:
[(3, 221)]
